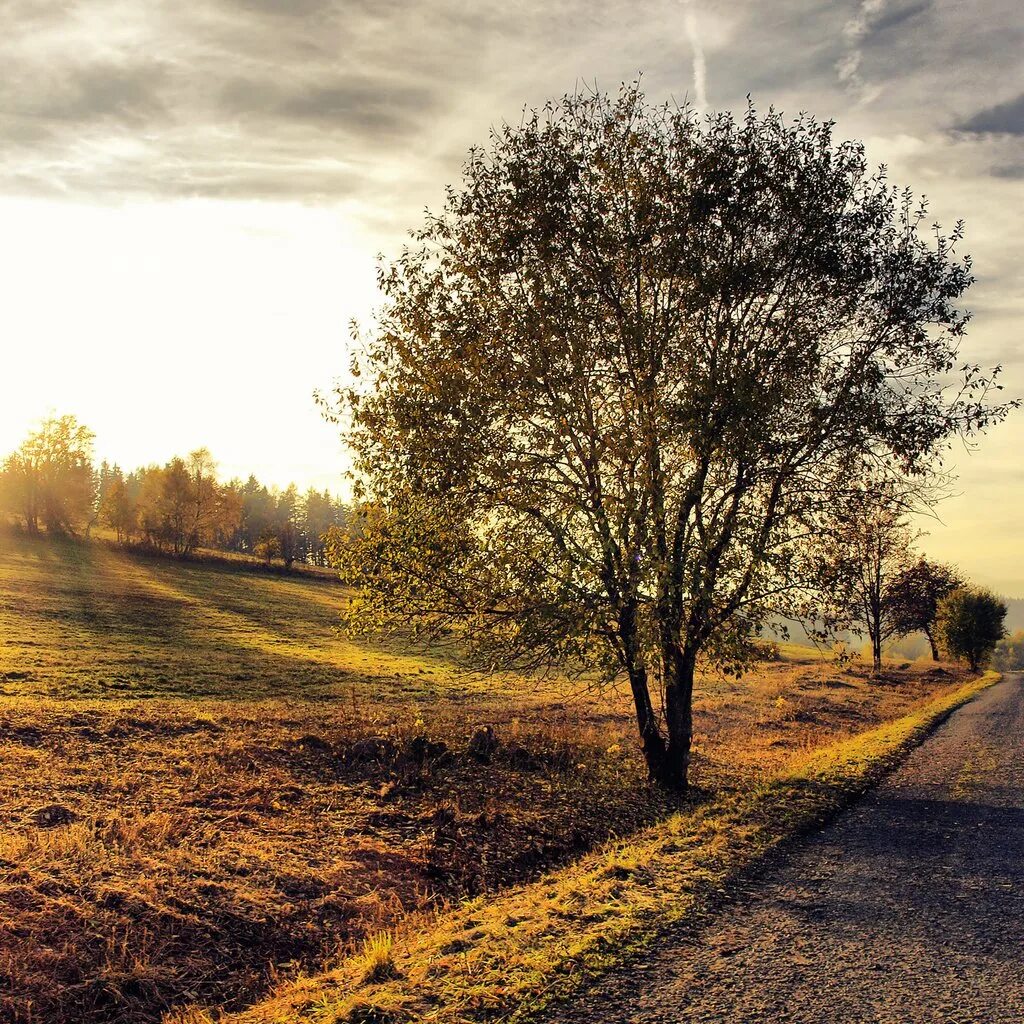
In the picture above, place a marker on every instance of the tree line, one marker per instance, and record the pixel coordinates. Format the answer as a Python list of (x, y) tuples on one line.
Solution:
[(876, 585), (50, 484)]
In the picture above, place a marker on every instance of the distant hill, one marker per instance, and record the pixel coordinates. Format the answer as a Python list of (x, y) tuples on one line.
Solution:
[(1014, 613)]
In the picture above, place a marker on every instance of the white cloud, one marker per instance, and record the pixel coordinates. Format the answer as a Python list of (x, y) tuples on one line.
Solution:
[(700, 90)]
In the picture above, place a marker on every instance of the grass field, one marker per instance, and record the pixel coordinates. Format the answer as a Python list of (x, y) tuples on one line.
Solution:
[(208, 791)]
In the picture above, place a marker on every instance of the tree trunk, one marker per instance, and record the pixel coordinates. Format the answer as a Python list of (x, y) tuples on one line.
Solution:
[(876, 652), (931, 642), (650, 736), (679, 719)]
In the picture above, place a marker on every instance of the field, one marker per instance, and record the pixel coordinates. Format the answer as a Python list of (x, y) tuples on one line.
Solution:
[(207, 790)]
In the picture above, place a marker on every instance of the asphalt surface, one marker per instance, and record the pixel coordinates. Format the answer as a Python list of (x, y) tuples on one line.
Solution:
[(908, 908)]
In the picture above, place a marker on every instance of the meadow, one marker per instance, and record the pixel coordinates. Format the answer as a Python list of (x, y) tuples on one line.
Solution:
[(208, 791)]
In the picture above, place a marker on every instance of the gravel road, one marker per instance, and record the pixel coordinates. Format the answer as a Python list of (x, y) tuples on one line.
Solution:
[(908, 908)]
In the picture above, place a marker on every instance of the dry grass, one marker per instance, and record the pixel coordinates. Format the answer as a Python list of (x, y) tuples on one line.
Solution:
[(510, 958), (208, 792)]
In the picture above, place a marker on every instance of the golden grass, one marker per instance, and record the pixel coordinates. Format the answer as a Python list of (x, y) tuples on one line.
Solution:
[(250, 796), (508, 958), (374, 961)]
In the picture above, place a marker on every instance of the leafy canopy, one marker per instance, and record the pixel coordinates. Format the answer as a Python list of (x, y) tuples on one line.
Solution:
[(619, 381), (971, 625)]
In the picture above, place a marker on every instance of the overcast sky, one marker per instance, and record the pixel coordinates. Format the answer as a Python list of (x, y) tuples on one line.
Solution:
[(192, 194)]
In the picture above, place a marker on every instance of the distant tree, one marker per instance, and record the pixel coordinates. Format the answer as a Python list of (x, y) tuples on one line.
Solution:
[(322, 513), (971, 624), (259, 511), (145, 486), (205, 498), (228, 519), (869, 553), (915, 594), (117, 510), (177, 506), (49, 481), (181, 506), (268, 547), (101, 484), (622, 378), (1009, 653), (19, 491)]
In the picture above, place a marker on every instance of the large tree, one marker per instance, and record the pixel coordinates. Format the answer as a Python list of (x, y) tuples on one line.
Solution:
[(619, 380)]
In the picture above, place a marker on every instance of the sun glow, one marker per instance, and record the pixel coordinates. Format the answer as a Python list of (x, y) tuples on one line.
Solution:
[(165, 326)]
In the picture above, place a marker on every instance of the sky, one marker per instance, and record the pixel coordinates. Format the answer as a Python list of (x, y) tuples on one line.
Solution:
[(193, 195)]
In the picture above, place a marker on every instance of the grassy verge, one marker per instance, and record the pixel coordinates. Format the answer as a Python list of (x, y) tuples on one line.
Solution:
[(506, 959)]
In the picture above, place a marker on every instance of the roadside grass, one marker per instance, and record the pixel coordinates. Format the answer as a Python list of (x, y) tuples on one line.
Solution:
[(208, 791), (509, 959)]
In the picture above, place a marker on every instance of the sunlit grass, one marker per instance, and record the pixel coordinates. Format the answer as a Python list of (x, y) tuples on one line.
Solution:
[(510, 958), (86, 620), (245, 803)]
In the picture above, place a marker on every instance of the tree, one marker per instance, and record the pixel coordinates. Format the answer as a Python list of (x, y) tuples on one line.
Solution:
[(117, 509), (971, 624), (258, 514), (870, 552), (621, 378), (915, 595), (49, 480), (268, 547), (204, 495), (176, 505), (227, 523), (1009, 653), (321, 514)]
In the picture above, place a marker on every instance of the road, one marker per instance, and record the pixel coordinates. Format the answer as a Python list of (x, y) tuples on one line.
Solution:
[(907, 908)]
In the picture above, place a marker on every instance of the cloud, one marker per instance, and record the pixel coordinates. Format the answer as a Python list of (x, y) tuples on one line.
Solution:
[(1004, 118), (127, 93), (354, 99), (700, 89), (848, 67)]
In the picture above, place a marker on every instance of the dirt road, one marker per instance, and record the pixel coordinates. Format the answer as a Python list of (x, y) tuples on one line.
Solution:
[(909, 908)]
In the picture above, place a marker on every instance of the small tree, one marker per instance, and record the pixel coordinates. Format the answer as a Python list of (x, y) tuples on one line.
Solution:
[(915, 594), (870, 551), (259, 510), (117, 510), (289, 540), (626, 374), (268, 547), (226, 523), (1009, 653), (971, 624), (177, 506), (204, 494)]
